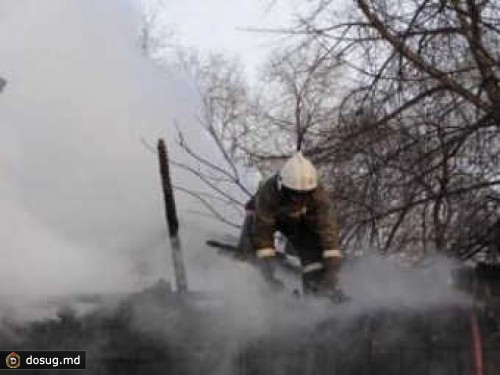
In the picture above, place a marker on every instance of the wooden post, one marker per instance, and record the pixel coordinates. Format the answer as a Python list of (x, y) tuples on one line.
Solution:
[(172, 221)]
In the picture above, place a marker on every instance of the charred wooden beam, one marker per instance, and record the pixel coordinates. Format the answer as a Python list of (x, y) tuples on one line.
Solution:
[(172, 221)]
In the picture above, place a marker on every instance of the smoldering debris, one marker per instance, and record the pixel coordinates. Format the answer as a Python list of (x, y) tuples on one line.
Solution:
[(248, 329), (156, 332)]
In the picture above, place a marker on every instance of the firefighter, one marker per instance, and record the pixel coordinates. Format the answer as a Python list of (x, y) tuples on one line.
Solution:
[(294, 203)]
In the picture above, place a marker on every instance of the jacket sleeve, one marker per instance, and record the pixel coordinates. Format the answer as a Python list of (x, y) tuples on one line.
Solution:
[(264, 225), (326, 225)]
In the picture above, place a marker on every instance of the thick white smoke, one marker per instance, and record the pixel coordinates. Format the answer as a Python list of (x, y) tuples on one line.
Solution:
[(80, 200)]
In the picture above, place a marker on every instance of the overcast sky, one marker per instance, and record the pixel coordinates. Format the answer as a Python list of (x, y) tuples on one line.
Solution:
[(219, 26)]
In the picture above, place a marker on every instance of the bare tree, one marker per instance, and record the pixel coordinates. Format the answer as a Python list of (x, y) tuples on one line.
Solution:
[(256, 126), (293, 106), (222, 117), (417, 137), (397, 103), (156, 37)]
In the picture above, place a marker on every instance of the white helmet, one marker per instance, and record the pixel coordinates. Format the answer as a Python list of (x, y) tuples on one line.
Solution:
[(299, 174)]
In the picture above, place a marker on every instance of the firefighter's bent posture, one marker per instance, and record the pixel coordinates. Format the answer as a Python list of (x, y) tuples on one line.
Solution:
[(295, 204)]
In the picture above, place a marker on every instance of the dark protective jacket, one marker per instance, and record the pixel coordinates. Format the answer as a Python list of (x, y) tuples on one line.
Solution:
[(274, 212)]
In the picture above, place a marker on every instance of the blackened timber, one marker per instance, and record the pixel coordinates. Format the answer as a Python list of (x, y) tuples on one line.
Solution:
[(168, 194), (172, 221)]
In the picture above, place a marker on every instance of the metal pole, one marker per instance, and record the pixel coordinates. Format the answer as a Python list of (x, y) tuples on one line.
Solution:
[(172, 221)]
